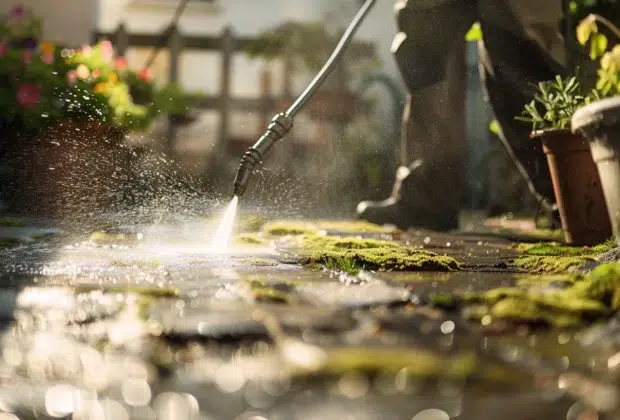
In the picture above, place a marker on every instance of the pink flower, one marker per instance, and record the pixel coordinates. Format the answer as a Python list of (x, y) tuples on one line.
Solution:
[(120, 63), (28, 95), (145, 75), (27, 56), (48, 58), (17, 12), (107, 50), (3, 49), (71, 76), (87, 50)]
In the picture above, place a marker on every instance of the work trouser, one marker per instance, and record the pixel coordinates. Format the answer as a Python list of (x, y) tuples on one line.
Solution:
[(521, 46)]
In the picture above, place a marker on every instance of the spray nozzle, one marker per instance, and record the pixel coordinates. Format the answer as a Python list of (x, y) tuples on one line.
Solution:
[(280, 125), (249, 160)]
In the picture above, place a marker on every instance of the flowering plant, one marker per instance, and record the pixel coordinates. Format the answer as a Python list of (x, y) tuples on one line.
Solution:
[(608, 82), (42, 83), (22, 27), (95, 70)]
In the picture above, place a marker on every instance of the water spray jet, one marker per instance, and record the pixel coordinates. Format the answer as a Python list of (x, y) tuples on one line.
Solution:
[(224, 230), (282, 123)]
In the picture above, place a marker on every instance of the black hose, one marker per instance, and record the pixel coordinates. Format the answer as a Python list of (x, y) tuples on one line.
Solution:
[(163, 40)]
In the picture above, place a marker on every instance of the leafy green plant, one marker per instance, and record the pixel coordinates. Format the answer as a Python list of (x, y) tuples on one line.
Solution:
[(554, 104), (172, 100), (42, 83), (21, 26), (588, 31), (580, 9), (474, 33), (94, 69)]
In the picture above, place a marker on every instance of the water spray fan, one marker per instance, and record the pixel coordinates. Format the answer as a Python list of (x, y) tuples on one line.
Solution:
[(282, 123)]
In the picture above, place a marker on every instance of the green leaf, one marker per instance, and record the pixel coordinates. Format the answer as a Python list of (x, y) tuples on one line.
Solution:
[(474, 33), (586, 29), (598, 46), (495, 128)]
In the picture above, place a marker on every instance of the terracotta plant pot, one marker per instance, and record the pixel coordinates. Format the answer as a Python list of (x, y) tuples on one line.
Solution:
[(577, 187), (69, 169), (600, 123)]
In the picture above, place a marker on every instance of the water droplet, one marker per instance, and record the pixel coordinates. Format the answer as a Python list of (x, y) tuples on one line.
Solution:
[(229, 378), (136, 392), (447, 327), (59, 400), (431, 414), (353, 385), (113, 410)]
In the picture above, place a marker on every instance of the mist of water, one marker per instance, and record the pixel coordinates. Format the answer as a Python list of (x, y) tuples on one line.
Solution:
[(224, 230)]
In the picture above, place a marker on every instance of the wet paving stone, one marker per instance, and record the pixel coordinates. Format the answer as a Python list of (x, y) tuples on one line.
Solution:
[(148, 325)]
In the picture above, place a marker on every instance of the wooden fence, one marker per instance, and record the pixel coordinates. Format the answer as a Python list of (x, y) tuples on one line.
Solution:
[(227, 44)]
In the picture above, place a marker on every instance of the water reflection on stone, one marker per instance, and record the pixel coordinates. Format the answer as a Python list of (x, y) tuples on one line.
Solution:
[(156, 329)]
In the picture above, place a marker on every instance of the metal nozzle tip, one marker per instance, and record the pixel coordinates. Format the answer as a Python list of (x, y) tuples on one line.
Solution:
[(244, 173), (238, 190)]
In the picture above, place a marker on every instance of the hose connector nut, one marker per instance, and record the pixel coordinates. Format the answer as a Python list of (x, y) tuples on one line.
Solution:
[(279, 127)]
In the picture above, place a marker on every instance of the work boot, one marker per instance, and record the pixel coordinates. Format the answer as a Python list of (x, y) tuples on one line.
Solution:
[(404, 211)]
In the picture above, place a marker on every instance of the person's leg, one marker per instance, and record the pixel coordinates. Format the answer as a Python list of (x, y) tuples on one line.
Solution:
[(430, 52), (521, 47)]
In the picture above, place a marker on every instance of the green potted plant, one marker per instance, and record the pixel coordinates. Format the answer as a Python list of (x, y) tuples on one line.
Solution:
[(63, 116), (172, 100), (599, 121), (21, 27), (576, 182)]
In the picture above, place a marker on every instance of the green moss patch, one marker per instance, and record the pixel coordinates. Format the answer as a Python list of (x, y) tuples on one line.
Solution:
[(551, 265), (555, 258), (352, 254), (284, 227), (529, 312), (292, 227), (7, 243), (143, 264), (263, 292), (321, 242), (260, 262), (43, 236), (251, 223), (105, 238), (555, 249), (417, 362), (11, 222), (381, 259), (249, 239), (547, 280), (583, 298), (152, 292), (354, 226)]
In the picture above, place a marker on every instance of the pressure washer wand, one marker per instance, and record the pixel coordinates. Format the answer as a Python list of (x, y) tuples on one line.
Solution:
[(282, 123)]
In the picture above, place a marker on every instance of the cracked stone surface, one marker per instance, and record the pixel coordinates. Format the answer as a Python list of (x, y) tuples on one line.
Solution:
[(158, 328)]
